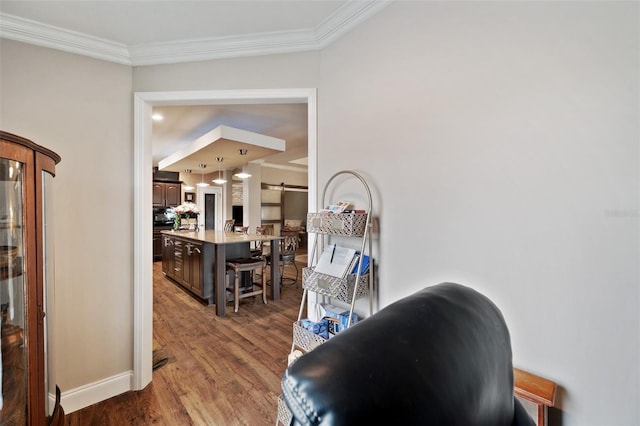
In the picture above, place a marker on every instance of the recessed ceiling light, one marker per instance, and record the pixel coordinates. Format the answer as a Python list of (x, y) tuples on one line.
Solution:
[(157, 117)]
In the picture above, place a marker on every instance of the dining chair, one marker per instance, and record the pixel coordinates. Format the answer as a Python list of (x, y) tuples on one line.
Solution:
[(228, 225), (260, 246)]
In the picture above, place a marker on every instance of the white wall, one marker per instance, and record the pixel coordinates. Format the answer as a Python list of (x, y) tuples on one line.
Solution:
[(501, 139), (298, 70), (81, 109), (274, 176)]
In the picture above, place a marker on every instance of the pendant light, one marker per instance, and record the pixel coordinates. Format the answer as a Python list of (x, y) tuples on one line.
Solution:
[(241, 174), (219, 180), (188, 187), (202, 183)]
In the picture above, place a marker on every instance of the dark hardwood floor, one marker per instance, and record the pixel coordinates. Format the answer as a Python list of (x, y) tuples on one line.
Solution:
[(221, 371)]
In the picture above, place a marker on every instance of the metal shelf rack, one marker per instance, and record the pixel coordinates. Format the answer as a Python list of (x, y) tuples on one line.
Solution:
[(324, 225)]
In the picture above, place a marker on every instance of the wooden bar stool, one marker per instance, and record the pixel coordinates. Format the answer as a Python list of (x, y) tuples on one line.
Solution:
[(249, 264)]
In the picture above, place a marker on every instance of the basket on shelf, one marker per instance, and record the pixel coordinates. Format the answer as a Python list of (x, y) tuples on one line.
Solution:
[(342, 224), (340, 288), (305, 339), (284, 415)]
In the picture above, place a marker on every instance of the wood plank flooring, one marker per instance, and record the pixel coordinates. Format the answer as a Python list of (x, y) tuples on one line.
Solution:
[(221, 371)]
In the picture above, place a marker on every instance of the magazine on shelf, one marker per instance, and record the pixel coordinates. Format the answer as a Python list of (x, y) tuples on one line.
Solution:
[(339, 207), (336, 261), (365, 264)]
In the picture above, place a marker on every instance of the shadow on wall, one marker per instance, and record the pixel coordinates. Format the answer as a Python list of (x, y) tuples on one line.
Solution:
[(554, 414)]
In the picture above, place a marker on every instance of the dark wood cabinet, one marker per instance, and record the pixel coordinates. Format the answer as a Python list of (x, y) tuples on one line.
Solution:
[(178, 272), (157, 245), (166, 194), (190, 264), (159, 197), (158, 242), (26, 275), (167, 255)]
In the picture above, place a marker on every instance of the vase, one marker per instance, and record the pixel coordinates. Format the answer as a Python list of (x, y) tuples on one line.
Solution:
[(192, 223), (176, 223)]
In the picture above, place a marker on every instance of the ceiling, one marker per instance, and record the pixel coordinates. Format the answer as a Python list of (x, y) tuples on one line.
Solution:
[(148, 32), (182, 125)]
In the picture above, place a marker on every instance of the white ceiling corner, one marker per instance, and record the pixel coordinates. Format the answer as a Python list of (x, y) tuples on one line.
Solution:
[(338, 23)]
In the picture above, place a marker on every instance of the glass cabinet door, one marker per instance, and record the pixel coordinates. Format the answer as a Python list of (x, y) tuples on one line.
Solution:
[(26, 274), (13, 320)]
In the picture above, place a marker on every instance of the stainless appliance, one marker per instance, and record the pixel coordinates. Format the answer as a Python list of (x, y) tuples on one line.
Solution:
[(163, 217)]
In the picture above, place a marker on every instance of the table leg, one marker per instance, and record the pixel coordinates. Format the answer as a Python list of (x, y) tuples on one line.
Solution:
[(219, 282), (275, 269)]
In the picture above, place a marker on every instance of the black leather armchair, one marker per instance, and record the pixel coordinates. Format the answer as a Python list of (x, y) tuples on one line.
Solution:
[(441, 356)]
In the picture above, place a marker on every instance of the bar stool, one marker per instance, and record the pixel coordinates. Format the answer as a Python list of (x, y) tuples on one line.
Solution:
[(288, 248), (248, 264), (288, 255)]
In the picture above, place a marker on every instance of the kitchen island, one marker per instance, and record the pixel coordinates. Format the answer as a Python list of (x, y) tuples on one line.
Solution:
[(197, 261)]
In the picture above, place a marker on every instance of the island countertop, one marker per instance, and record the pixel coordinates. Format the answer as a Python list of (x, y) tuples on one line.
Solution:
[(210, 261), (220, 237)]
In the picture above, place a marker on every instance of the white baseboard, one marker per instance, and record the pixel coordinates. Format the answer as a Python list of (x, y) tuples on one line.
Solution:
[(84, 396)]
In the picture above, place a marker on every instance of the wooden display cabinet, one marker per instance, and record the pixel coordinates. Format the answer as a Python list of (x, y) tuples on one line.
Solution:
[(26, 248)]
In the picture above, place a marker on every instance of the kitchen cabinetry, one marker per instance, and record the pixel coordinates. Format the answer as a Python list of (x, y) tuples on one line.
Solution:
[(26, 282), (190, 264), (166, 194), (178, 274), (167, 255), (192, 267), (158, 243)]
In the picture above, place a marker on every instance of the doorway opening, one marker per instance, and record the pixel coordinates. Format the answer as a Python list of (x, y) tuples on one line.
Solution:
[(143, 254), (210, 203), (209, 211)]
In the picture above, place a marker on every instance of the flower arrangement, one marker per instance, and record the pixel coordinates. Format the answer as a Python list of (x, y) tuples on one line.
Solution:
[(187, 210)]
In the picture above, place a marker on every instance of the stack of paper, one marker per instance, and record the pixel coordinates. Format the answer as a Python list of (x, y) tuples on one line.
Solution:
[(336, 261)]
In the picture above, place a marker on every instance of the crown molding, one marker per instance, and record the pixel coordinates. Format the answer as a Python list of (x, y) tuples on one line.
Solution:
[(346, 18), (39, 34), (222, 48), (336, 25)]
